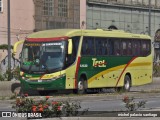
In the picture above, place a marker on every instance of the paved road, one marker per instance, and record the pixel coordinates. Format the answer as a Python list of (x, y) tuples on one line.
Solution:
[(155, 85), (118, 105), (108, 101)]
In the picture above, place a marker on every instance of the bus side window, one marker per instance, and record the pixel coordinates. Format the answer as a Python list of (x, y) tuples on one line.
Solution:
[(101, 46), (111, 46), (106, 47), (88, 46), (124, 47), (145, 48), (148, 49), (117, 50), (136, 48), (129, 51)]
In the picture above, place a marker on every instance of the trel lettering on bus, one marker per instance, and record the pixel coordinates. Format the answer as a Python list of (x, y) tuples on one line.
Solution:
[(98, 63)]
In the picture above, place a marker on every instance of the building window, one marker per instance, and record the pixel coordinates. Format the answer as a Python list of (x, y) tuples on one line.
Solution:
[(48, 8), (63, 8), (112, 1), (1, 5), (54, 25)]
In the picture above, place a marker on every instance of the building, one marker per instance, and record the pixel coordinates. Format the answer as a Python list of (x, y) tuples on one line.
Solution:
[(22, 23), (128, 15)]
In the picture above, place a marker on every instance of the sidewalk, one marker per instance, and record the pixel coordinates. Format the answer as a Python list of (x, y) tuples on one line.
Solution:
[(155, 85), (8, 88)]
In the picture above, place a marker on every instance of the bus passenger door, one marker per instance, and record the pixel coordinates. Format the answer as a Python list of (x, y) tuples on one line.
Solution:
[(71, 62)]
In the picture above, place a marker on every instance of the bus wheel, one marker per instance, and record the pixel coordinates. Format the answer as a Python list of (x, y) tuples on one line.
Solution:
[(127, 84), (126, 87), (82, 86)]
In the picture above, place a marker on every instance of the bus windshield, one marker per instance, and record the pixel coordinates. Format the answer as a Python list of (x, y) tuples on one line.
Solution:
[(41, 57)]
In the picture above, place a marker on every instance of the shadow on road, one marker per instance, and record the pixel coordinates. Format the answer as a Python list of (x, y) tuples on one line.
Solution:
[(16, 88)]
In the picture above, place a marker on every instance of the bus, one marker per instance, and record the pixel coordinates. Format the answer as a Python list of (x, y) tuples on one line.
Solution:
[(83, 60)]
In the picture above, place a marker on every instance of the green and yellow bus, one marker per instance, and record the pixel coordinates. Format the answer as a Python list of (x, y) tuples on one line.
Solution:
[(85, 59)]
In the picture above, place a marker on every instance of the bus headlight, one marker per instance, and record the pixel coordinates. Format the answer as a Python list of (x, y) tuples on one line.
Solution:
[(43, 80), (57, 77), (25, 78)]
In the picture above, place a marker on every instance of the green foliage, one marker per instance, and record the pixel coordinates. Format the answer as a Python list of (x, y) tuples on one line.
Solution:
[(156, 70), (13, 96), (131, 105), (2, 77), (71, 108), (13, 74), (16, 72), (5, 47)]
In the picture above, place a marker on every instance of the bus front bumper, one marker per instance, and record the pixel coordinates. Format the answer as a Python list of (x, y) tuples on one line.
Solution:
[(43, 85)]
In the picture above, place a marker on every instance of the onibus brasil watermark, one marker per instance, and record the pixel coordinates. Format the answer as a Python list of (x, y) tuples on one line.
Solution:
[(21, 115)]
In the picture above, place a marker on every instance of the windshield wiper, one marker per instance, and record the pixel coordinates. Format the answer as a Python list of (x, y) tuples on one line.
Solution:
[(29, 69), (47, 69), (44, 66)]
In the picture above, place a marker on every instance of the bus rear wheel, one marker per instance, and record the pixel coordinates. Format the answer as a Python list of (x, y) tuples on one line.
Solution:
[(127, 83)]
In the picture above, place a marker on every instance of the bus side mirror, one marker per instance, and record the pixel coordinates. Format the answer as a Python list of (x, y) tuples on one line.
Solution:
[(16, 46), (70, 46)]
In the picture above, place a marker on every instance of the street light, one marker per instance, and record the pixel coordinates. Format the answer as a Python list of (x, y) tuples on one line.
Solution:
[(9, 42), (149, 20)]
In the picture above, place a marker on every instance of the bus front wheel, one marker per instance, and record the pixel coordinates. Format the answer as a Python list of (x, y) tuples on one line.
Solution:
[(82, 86)]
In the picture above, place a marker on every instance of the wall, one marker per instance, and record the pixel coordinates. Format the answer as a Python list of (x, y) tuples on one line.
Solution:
[(129, 18)]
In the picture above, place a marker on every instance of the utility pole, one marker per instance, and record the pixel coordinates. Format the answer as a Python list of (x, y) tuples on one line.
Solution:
[(149, 19), (9, 42)]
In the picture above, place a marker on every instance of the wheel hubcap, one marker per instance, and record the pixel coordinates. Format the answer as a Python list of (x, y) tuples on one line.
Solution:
[(80, 85), (127, 85)]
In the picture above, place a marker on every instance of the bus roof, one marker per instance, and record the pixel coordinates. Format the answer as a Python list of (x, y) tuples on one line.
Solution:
[(85, 32)]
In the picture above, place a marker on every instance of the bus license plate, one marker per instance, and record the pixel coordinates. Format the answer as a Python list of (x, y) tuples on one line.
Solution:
[(39, 80), (40, 88)]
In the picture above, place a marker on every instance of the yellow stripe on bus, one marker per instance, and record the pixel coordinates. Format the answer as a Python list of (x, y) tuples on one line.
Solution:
[(105, 72), (140, 64)]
